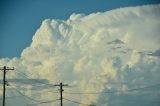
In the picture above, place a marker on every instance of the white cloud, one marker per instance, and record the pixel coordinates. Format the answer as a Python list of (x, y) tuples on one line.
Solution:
[(83, 51)]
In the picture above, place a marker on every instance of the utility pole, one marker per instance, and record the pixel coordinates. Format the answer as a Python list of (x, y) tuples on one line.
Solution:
[(61, 91), (5, 69)]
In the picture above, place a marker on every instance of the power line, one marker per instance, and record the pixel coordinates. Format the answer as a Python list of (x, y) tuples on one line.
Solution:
[(27, 77), (44, 102), (151, 86), (23, 95), (76, 102), (44, 84), (32, 84), (32, 99), (11, 97), (129, 90)]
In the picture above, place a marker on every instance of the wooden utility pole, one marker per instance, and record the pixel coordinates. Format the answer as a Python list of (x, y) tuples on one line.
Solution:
[(5, 69), (61, 91)]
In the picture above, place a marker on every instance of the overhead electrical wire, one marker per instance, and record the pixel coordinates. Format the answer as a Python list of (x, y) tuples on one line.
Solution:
[(128, 90), (38, 93), (32, 99), (44, 102), (77, 102), (33, 94), (27, 77), (35, 87)]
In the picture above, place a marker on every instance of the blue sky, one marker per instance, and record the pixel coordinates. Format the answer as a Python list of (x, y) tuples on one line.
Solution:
[(20, 19)]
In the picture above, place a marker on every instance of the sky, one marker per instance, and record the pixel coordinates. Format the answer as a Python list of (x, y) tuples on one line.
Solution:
[(20, 19)]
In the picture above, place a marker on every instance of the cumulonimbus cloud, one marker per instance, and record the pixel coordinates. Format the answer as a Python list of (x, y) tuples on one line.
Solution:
[(97, 53)]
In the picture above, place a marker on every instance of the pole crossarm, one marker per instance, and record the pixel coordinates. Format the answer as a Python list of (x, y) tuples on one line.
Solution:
[(6, 68)]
